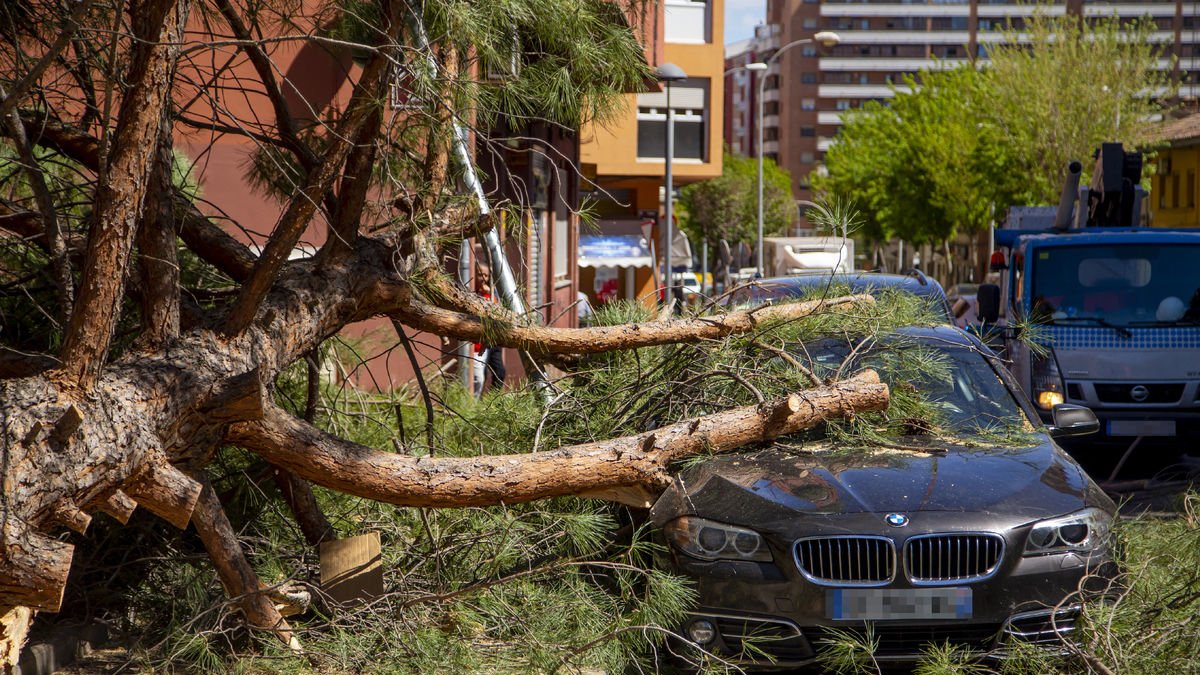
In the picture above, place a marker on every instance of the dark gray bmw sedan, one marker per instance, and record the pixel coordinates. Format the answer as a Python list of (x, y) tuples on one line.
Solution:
[(973, 536)]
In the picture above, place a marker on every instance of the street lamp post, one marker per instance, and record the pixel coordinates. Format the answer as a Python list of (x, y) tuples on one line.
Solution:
[(668, 73), (824, 38)]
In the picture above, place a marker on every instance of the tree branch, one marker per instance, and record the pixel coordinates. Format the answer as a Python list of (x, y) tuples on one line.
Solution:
[(503, 332), (352, 195), (204, 238), (237, 576), (8, 102), (368, 95), (119, 198), (156, 248), (284, 120), (49, 215), (602, 468)]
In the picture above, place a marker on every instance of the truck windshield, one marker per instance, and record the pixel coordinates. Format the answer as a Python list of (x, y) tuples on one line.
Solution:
[(1107, 285)]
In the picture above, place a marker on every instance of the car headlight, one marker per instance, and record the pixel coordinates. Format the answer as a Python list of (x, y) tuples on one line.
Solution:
[(710, 540), (1079, 532)]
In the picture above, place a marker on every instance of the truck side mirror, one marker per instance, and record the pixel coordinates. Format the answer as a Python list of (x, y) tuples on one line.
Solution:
[(988, 297), (1073, 420)]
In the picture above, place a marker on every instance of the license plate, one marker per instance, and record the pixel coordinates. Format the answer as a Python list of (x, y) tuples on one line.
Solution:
[(1141, 428), (874, 604)]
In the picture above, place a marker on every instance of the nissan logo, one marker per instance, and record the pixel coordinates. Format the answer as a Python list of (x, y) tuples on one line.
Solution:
[(1139, 393)]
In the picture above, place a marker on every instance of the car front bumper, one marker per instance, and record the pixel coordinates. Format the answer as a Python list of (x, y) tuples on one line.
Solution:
[(769, 615)]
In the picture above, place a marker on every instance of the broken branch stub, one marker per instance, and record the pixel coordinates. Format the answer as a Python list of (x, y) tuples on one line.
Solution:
[(33, 570), (165, 491)]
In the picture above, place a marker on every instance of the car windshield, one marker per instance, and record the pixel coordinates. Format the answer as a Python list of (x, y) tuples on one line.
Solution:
[(1130, 285), (955, 378)]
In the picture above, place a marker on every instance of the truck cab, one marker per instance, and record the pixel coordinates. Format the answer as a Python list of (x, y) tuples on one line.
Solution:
[(1111, 320), (1094, 309)]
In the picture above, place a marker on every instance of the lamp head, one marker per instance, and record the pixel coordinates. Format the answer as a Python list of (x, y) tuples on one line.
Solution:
[(827, 38), (757, 66), (669, 72)]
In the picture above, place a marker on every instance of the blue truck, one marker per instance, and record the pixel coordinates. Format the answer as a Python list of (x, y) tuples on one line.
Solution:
[(1092, 309)]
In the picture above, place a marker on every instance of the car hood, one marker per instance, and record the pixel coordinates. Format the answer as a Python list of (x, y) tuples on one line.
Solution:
[(773, 486)]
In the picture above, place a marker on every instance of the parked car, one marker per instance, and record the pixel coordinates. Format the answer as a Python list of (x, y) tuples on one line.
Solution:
[(859, 282), (970, 536)]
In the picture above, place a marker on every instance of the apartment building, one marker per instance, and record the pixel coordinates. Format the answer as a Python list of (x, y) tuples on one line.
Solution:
[(880, 42), (741, 93), (623, 162)]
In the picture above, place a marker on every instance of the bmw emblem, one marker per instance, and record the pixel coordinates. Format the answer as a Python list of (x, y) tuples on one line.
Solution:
[(896, 519)]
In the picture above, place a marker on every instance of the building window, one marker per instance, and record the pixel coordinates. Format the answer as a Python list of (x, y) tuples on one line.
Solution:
[(810, 22), (808, 78), (1174, 190), (842, 105), (808, 51), (1191, 189), (808, 132), (687, 21), (808, 104), (771, 108), (689, 106), (806, 158)]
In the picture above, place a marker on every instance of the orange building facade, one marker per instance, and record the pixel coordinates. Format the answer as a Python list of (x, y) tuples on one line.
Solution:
[(623, 164)]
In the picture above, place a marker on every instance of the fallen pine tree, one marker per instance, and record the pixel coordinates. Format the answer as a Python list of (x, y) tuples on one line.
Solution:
[(127, 371)]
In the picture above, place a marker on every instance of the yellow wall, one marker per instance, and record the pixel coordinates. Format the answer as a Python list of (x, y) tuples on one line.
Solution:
[(612, 151), (1175, 193)]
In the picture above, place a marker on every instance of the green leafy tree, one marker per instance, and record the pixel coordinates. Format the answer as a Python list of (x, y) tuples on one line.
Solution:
[(1069, 88), (924, 167), (955, 146), (726, 207)]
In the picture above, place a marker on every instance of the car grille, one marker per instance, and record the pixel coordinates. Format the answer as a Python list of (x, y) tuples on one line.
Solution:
[(909, 640), (939, 558), (1155, 393), (755, 639), (847, 560)]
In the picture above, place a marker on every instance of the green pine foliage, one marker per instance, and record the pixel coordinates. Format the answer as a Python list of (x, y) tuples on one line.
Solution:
[(497, 64)]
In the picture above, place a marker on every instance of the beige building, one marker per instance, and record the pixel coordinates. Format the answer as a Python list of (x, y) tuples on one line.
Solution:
[(623, 165), (884, 40)]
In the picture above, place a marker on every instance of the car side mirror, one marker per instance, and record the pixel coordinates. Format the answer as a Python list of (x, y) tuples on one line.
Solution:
[(988, 297), (1073, 420)]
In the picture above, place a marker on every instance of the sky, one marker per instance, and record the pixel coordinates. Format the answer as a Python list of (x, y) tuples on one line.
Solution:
[(741, 16)]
